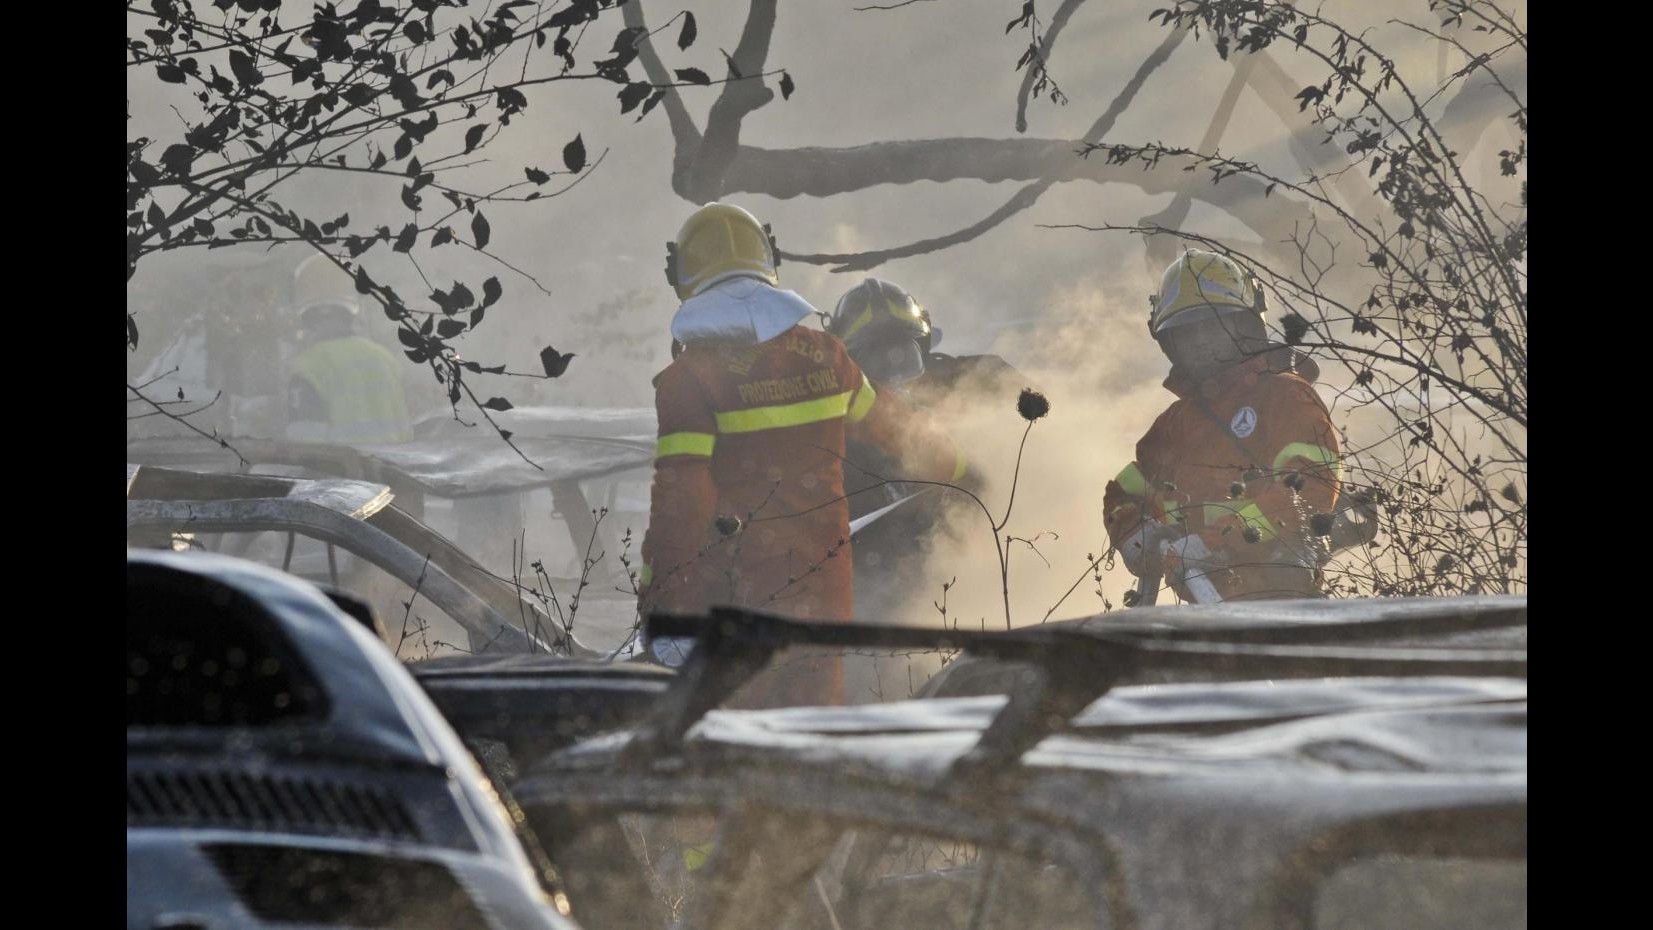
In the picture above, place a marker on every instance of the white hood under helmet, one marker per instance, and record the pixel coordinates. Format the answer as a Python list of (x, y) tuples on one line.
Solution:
[(739, 310)]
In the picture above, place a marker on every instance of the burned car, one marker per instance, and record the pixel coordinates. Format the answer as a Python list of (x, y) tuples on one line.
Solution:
[(1354, 764), (513, 709), (283, 769), (357, 517), (587, 467)]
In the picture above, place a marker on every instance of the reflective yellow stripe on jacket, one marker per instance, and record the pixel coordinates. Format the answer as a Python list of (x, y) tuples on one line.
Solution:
[(1132, 481), (780, 416), (864, 399), (853, 406), (685, 444), (1319, 455), (1211, 512)]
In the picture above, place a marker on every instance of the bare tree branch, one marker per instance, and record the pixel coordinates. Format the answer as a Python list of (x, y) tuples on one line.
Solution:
[(892, 6), (1276, 89), (1048, 42), (685, 134), (160, 408), (1161, 249), (1023, 198), (698, 176), (739, 98)]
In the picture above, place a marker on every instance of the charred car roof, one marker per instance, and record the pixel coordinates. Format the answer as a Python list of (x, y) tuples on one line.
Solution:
[(537, 703), (1194, 768), (360, 517)]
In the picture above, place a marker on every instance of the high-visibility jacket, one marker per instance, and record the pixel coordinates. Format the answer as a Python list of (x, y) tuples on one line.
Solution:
[(360, 384), (1217, 462), (755, 433)]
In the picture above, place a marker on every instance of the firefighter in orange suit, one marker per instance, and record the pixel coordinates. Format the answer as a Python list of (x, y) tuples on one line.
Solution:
[(748, 504), (1226, 483)]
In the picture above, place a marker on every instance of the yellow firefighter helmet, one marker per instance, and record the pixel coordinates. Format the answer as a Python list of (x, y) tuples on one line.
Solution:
[(318, 281), (1203, 280), (717, 242)]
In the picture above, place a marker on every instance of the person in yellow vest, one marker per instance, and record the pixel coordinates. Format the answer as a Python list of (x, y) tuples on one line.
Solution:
[(343, 387)]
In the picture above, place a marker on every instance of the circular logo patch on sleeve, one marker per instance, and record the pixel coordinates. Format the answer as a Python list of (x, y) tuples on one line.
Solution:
[(1244, 422)]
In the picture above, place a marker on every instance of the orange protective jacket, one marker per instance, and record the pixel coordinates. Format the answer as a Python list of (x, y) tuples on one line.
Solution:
[(1220, 460), (755, 433)]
